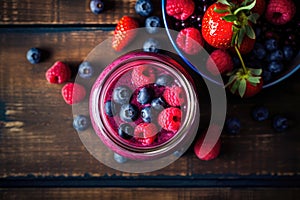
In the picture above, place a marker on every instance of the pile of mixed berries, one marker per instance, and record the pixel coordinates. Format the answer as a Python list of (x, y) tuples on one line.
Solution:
[(145, 106), (250, 42), (151, 113)]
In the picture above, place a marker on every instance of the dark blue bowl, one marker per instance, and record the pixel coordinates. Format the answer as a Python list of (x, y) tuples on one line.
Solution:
[(292, 68)]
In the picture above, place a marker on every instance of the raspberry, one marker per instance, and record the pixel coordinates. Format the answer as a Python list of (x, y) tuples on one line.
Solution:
[(219, 62), (142, 75), (59, 72), (73, 93), (280, 12), (174, 96), (145, 133), (170, 119), (210, 149), (190, 40), (180, 9)]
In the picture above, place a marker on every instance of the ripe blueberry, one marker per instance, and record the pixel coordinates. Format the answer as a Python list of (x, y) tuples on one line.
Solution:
[(121, 95), (151, 45), (152, 24), (128, 112), (34, 55), (125, 131), (145, 95), (81, 122), (144, 7), (85, 70), (96, 6)]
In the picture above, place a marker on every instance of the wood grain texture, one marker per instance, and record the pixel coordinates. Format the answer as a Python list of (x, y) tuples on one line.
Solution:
[(66, 12), (37, 138), (151, 193)]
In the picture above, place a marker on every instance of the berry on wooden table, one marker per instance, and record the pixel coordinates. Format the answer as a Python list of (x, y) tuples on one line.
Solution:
[(96, 6), (34, 55), (151, 45), (85, 70), (124, 33), (152, 24), (81, 122), (59, 72), (144, 7), (73, 93)]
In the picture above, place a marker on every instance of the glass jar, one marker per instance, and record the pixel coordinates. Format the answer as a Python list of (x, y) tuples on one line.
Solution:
[(168, 132)]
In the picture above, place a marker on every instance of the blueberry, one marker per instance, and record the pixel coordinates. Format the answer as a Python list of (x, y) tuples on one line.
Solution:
[(85, 70), (276, 55), (259, 51), (158, 104), (125, 131), (164, 80), (280, 123), (147, 114), (271, 44), (144, 7), (96, 6), (121, 95), (151, 45), (34, 55), (266, 75), (128, 112), (145, 95), (81, 122), (152, 24), (288, 52), (260, 113), (119, 159), (110, 108), (275, 67), (233, 125)]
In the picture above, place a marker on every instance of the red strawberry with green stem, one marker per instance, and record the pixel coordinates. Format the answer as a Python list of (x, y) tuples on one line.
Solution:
[(124, 33), (228, 25)]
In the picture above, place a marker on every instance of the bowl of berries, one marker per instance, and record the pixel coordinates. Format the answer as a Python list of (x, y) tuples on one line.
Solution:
[(254, 44)]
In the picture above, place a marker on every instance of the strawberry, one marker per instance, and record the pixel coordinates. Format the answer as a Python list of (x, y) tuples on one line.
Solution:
[(124, 33), (225, 24), (280, 12), (190, 40), (180, 9), (208, 146), (73, 93), (247, 45), (246, 84)]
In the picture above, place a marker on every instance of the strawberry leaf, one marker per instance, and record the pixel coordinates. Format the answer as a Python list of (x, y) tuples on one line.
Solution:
[(221, 11), (250, 32), (242, 87), (255, 72), (247, 7), (225, 2), (240, 36), (230, 18), (254, 79), (231, 79), (235, 31), (245, 2), (253, 17), (234, 86)]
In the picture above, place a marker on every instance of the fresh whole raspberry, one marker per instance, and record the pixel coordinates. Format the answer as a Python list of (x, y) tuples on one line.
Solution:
[(280, 12), (190, 40), (180, 9), (174, 95), (73, 93), (145, 133), (59, 72), (207, 147), (219, 62), (142, 75), (170, 119)]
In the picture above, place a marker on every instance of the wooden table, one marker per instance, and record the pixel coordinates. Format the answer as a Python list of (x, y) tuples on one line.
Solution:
[(41, 155)]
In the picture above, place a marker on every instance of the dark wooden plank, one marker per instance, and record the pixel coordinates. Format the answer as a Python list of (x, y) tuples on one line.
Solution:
[(65, 12), (37, 138), (151, 193)]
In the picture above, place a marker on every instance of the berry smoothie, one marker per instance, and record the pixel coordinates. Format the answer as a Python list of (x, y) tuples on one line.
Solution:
[(142, 104)]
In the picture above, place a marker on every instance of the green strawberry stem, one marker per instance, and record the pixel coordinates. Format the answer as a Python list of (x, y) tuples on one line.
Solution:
[(241, 59)]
